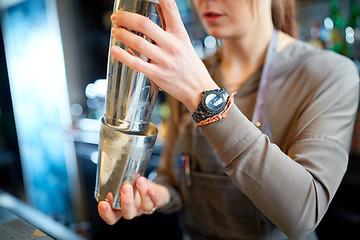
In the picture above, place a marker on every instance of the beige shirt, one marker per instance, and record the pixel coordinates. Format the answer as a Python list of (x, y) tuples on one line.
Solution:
[(245, 185)]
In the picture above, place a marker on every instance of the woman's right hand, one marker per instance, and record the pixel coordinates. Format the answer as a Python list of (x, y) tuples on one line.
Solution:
[(174, 65), (148, 197)]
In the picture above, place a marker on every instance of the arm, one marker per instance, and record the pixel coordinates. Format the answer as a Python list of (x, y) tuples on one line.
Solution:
[(293, 188)]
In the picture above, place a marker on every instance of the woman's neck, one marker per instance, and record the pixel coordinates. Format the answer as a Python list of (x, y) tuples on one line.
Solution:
[(242, 56)]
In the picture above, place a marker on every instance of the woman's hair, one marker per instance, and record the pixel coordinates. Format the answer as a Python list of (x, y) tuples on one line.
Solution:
[(284, 16)]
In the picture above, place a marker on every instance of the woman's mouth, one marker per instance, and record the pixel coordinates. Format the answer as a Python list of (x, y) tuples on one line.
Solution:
[(211, 17)]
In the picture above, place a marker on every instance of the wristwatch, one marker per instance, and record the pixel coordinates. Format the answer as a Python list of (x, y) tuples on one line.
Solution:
[(212, 103)]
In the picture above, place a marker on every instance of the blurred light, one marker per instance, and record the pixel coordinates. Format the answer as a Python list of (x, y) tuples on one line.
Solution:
[(349, 31), (328, 24), (152, 175), (210, 42), (350, 35), (87, 124), (92, 103), (7, 201), (199, 48), (76, 109), (90, 90), (96, 89), (350, 39), (324, 34), (101, 87), (94, 157)]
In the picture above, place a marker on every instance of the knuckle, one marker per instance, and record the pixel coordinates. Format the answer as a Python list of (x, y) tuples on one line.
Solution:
[(137, 64), (171, 5), (143, 23), (175, 50), (152, 72), (139, 44), (161, 75)]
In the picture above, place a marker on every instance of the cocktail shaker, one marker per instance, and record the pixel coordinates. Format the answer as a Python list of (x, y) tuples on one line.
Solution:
[(127, 137), (131, 95)]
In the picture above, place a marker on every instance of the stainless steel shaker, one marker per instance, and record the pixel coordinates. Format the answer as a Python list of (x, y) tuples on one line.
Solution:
[(127, 136)]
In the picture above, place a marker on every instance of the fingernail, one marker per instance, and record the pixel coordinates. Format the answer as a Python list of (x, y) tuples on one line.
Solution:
[(141, 182), (113, 17), (103, 207), (126, 190), (115, 50), (114, 30)]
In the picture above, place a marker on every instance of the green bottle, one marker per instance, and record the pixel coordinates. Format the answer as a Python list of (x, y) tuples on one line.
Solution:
[(337, 29), (353, 31)]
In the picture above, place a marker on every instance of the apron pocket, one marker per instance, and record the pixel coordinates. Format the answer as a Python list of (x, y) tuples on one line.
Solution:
[(215, 208)]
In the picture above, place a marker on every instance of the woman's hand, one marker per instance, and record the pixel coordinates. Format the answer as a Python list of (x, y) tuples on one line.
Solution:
[(145, 200), (174, 65)]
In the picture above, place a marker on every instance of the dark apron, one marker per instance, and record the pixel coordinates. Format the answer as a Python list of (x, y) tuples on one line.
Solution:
[(213, 207)]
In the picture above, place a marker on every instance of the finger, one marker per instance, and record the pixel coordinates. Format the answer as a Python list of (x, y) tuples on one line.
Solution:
[(127, 203), (132, 61), (136, 42), (138, 23), (159, 194), (108, 214), (171, 15), (142, 185)]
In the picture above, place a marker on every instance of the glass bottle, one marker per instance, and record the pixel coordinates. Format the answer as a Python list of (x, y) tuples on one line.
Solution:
[(353, 31), (335, 24)]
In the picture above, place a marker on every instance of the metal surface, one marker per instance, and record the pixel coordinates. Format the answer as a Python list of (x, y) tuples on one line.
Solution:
[(19, 220), (123, 157), (127, 136), (131, 95)]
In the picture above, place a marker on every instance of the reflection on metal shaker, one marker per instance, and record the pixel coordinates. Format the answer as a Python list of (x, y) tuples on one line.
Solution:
[(127, 136)]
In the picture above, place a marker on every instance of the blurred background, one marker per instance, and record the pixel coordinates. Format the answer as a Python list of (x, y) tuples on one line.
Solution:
[(53, 59)]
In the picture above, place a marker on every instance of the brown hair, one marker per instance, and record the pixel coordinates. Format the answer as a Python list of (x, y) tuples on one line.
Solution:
[(284, 16)]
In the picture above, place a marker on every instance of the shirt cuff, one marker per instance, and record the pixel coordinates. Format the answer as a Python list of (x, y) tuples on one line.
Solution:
[(231, 136)]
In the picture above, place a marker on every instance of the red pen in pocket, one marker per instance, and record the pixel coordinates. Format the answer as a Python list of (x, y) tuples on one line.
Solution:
[(184, 164)]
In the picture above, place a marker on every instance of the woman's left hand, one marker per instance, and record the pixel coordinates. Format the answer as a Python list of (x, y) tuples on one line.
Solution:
[(174, 64)]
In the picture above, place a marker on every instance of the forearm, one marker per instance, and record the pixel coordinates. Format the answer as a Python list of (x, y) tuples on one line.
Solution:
[(292, 190)]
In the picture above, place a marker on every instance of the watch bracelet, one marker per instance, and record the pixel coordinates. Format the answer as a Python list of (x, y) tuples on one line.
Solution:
[(219, 116), (200, 113)]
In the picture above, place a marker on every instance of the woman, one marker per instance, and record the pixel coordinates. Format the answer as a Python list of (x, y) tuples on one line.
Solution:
[(270, 165)]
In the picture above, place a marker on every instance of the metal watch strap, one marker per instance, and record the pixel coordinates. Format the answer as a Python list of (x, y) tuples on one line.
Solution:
[(200, 113)]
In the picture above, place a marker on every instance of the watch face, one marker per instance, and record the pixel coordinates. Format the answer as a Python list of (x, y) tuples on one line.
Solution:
[(214, 102)]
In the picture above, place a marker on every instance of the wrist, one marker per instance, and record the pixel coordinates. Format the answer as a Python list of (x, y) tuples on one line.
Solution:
[(212, 106)]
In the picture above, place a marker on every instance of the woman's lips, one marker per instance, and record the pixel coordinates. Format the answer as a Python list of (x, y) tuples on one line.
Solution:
[(211, 17)]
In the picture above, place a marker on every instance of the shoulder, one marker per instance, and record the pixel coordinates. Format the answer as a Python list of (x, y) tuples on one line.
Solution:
[(317, 65), (310, 57)]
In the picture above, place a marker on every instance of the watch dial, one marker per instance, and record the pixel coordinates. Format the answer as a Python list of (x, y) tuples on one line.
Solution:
[(213, 102)]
